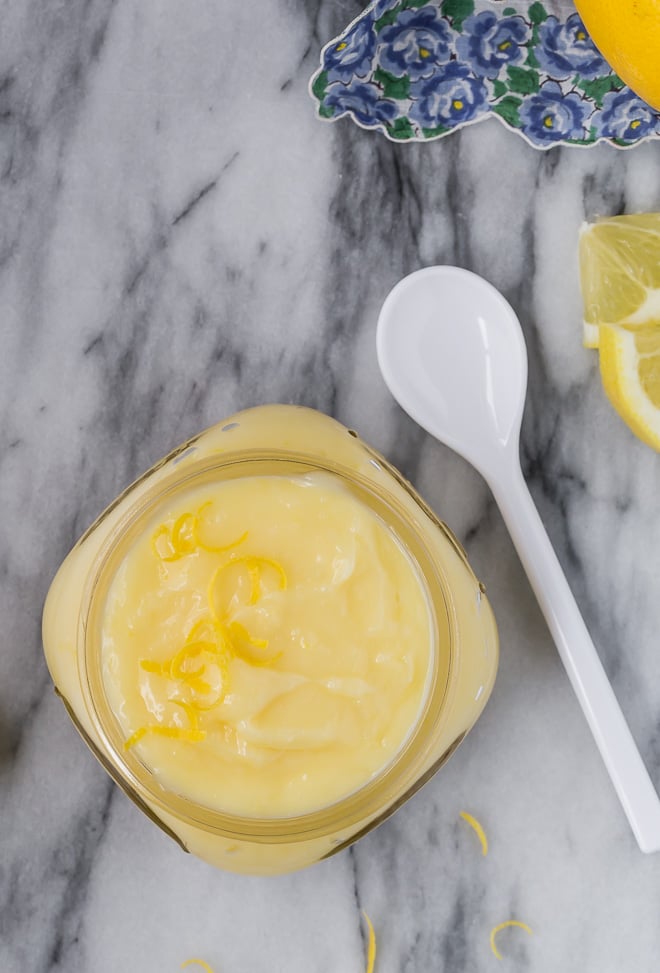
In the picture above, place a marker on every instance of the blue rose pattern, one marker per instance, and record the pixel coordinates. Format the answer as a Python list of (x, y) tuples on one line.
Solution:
[(551, 116), (488, 42), (566, 49), (416, 44), (364, 100), (380, 7), (351, 56), (449, 99), (625, 116), (416, 72)]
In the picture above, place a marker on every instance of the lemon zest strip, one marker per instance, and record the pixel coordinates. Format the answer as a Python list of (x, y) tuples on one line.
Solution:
[(171, 544), (190, 651), (184, 543), (241, 634), (211, 548), (478, 829), (218, 633), (254, 573), (277, 567), (371, 950), (200, 962), (192, 735), (158, 668), (504, 925), (172, 554)]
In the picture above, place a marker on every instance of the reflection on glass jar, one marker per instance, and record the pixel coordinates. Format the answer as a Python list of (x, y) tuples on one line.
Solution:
[(270, 641)]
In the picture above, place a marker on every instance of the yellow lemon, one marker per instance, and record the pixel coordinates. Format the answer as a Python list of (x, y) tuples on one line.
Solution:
[(627, 33), (630, 369), (620, 280), (620, 273)]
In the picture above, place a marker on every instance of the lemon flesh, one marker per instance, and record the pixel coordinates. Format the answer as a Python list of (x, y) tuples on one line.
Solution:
[(620, 270), (620, 281)]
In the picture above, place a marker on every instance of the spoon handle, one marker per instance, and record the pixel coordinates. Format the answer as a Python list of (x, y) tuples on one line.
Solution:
[(578, 653)]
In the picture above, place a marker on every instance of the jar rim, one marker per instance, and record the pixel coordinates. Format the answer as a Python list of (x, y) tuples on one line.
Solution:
[(400, 776)]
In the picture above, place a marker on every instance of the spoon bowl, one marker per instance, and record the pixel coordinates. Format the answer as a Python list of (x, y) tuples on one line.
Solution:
[(452, 353)]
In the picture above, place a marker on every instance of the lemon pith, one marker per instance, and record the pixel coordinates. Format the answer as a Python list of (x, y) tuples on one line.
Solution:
[(620, 281)]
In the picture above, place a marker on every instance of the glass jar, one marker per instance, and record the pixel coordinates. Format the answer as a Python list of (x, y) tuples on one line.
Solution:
[(276, 440)]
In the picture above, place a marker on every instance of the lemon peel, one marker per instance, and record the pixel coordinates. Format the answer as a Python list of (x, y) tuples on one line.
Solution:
[(183, 538), (253, 573), (183, 534), (371, 949), (277, 567), (172, 732), (478, 829), (163, 534), (200, 962), (211, 642), (505, 925), (241, 641), (192, 734), (630, 372), (213, 549)]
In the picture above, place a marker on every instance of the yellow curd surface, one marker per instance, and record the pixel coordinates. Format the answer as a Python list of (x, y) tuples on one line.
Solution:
[(266, 644)]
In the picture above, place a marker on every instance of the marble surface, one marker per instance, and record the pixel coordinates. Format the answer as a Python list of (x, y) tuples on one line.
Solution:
[(181, 237)]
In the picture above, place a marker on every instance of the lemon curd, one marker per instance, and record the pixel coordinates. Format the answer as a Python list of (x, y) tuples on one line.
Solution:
[(273, 672), (269, 641)]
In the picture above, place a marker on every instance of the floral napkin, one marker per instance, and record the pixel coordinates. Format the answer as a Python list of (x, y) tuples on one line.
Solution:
[(418, 70)]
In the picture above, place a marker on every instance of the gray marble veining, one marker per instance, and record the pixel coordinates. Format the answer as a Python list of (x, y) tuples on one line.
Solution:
[(181, 237)]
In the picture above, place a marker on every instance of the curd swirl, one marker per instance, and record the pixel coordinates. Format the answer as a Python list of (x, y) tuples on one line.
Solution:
[(271, 671)]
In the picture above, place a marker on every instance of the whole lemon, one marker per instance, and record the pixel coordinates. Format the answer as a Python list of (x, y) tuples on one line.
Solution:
[(627, 34)]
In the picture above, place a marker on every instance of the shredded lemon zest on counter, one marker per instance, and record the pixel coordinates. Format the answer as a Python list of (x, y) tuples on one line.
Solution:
[(371, 951), (478, 829), (200, 962), (504, 925)]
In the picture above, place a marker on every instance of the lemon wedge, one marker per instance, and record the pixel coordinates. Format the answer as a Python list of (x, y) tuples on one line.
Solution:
[(620, 273), (630, 370), (620, 280)]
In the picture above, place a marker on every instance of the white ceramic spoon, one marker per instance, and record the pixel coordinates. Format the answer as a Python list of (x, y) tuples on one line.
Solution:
[(452, 353)]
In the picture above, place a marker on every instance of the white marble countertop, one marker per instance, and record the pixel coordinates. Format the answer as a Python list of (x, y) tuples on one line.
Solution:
[(181, 237)]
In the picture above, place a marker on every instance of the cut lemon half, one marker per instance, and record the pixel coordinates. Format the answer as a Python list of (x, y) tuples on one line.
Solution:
[(620, 273), (630, 369)]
